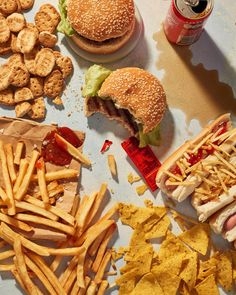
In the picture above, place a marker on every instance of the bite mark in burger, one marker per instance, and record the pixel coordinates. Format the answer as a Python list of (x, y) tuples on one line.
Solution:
[(132, 96), (98, 27)]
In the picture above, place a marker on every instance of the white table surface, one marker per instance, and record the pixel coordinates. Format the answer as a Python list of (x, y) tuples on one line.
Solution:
[(221, 27)]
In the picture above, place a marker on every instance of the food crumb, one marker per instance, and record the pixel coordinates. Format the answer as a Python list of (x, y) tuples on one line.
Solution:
[(133, 178), (141, 189)]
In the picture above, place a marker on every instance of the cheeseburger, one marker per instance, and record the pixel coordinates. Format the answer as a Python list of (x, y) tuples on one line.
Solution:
[(131, 96), (98, 27)]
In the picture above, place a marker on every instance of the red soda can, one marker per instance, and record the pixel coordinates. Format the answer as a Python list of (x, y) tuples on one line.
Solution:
[(186, 19)]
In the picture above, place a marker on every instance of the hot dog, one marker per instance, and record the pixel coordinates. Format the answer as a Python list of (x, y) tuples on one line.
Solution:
[(184, 170)]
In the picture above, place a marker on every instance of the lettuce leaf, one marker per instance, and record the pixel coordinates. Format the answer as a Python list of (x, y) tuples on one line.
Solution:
[(94, 78), (152, 138), (64, 25)]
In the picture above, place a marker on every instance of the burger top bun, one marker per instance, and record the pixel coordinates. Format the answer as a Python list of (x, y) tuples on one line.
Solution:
[(139, 92), (101, 20)]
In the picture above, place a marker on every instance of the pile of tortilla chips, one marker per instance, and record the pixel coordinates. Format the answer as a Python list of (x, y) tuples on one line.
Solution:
[(186, 263)]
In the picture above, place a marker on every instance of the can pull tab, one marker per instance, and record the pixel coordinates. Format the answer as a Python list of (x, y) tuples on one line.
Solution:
[(192, 3)]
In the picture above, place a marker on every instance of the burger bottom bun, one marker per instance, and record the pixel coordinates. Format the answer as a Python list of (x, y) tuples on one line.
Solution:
[(119, 53), (105, 47)]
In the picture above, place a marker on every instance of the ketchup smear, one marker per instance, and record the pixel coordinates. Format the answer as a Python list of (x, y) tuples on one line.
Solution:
[(53, 153)]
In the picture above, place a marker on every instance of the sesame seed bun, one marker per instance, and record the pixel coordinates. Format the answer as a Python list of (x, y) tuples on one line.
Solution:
[(101, 20), (139, 92), (105, 47)]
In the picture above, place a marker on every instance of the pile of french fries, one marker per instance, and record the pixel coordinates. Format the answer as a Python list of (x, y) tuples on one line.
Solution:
[(28, 197)]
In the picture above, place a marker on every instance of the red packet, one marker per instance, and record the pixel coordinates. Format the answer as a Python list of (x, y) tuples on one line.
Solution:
[(144, 159)]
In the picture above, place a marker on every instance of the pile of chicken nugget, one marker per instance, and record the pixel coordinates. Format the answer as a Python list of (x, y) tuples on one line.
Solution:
[(34, 70)]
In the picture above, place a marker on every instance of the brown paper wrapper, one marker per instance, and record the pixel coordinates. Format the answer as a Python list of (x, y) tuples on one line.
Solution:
[(33, 134)]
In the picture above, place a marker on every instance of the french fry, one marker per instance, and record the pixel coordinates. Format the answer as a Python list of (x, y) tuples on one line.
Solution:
[(26, 180), (102, 288), (75, 205), (66, 274), (102, 267), (81, 206), (44, 221), (71, 280), (21, 268), (48, 273), (6, 254), (2, 244), (107, 216), (7, 181), (58, 190), (57, 175), (40, 165), (22, 171), (81, 220), (10, 162), (57, 260), (112, 165), (75, 289), (66, 251), (82, 291), (99, 198), (96, 244), (92, 288), (18, 152), (36, 209), (102, 248), (73, 151), (7, 267), (18, 279), (10, 236), (16, 223), (3, 196), (54, 210), (40, 275), (92, 234)]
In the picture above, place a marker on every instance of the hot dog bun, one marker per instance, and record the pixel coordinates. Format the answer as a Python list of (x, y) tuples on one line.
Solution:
[(180, 193)]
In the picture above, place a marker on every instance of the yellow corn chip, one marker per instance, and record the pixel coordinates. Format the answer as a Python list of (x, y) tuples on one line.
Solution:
[(148, 285), (132, 215), (126, 282), (171, 246), (168, 282), (173, 265), (189, 270), (142, 263), (224, 273), (207, 268), (159, 229), (197, 238), (183, 289), (207, 287)]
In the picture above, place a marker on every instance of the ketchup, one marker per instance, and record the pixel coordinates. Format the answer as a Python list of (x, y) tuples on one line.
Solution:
[(53, 153)]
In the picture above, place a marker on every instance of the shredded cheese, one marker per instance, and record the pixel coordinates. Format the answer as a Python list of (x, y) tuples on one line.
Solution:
[(221, 180), (197, 147), (173, 175), (182, 183), (230, 166)]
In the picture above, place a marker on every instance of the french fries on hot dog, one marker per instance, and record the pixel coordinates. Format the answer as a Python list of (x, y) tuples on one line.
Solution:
[(186, 169)]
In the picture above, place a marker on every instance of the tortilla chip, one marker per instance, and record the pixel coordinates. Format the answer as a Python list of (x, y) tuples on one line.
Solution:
[(171, 246), (159, 229), (132, 215), (207, 287), (126, 282), (142, 263), (168, 282), (224, 273), (207, 268), (173, 265), (148, 285), (197, 238), (189, 270), (183, 289)]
